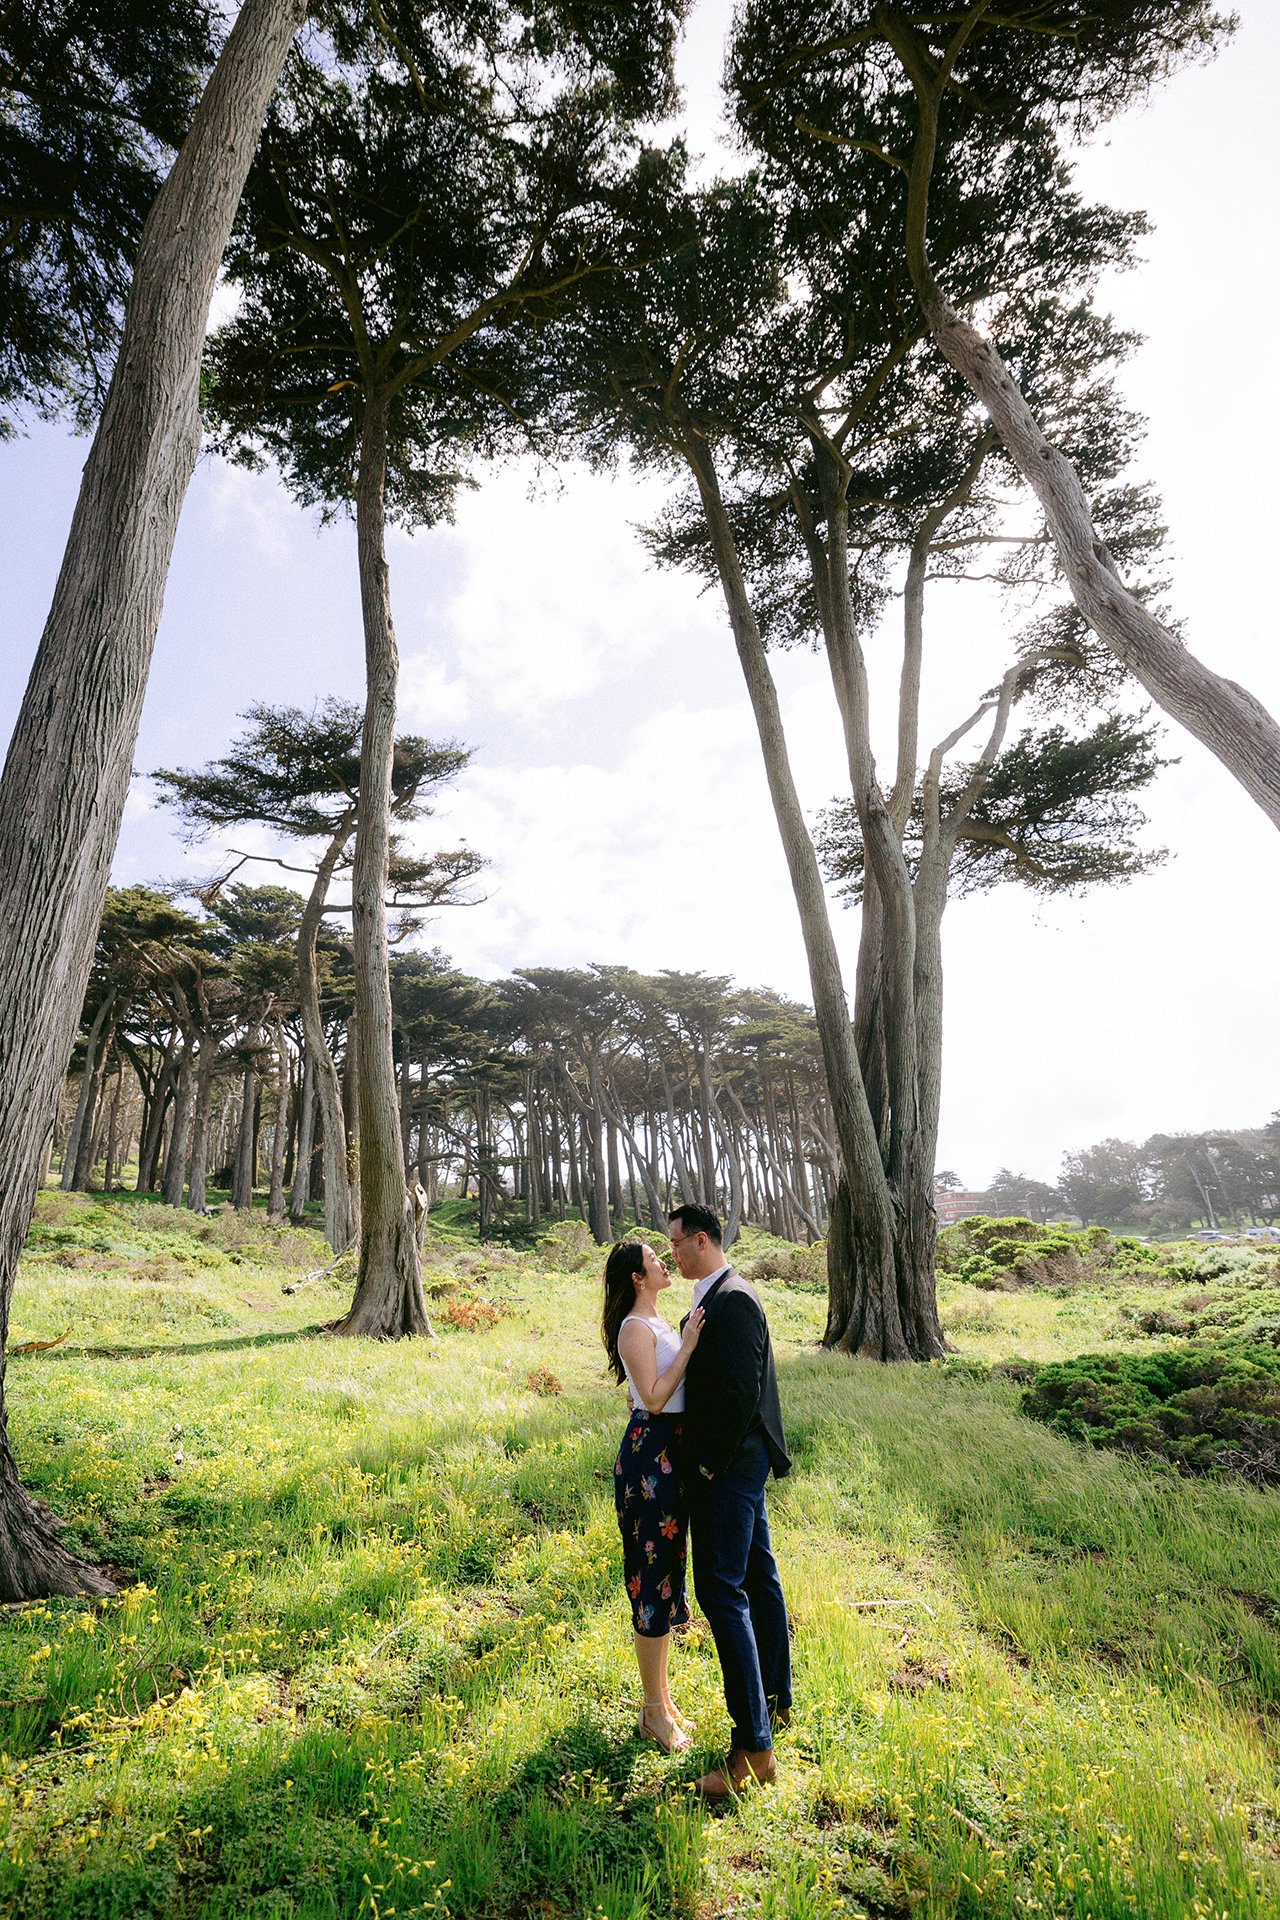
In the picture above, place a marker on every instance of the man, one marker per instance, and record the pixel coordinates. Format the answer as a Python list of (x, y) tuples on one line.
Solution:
[(733, 1439)]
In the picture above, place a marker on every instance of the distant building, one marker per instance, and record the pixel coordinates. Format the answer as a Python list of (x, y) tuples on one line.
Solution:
[(951, 1206)]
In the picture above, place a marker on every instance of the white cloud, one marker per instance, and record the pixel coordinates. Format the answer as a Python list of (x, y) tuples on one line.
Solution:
[(553, 595), (243, 508), (432, 699), (589, 863)]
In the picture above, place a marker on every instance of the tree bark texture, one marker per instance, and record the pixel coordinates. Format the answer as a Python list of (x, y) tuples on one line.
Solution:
[(389, 1301), (67, 772)]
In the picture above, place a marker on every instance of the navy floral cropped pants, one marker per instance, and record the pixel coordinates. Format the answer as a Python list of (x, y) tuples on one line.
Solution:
[(648, 1485)]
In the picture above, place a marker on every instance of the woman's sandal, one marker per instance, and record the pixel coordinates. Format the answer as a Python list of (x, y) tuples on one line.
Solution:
[(678, 1743)]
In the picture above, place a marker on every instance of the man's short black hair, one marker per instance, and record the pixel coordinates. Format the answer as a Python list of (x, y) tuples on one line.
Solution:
[(696, 1219)]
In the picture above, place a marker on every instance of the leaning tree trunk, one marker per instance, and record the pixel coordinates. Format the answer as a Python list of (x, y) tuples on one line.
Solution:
[(1223, 716), (63, 788), (389, 1301)]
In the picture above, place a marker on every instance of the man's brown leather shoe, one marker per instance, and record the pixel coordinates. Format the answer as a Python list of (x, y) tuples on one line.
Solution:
[(740, 1771)]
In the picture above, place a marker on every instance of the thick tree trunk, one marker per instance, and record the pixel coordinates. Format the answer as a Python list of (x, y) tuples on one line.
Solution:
[(389, 1301), (1223, 716), (67, 772)]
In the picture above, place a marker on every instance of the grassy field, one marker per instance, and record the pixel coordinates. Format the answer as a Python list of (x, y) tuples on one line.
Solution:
[(374, 1658)]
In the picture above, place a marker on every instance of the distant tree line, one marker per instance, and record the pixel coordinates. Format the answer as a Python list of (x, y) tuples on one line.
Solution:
[(601, 1093), (1218, 1179)]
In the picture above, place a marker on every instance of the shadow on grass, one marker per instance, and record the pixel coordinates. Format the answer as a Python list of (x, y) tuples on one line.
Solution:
[(60, 1352)]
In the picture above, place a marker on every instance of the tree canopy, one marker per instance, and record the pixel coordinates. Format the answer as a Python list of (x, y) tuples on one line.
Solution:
[(96, 97)]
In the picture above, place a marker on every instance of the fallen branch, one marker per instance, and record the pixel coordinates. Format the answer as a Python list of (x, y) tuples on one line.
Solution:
[(978, 1832), (39, 1346), (307, 1279)]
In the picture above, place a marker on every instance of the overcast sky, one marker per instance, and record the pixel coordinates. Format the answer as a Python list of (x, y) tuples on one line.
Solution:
[(616, 786)]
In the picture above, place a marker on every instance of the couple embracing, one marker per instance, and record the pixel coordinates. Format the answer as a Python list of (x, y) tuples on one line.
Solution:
[(704, 1435)]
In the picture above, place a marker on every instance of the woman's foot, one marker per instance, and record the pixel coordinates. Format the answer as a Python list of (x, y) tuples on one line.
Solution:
[(653, 1723)]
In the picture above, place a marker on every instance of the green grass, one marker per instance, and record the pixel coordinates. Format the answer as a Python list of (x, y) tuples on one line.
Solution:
[(376, 1660)]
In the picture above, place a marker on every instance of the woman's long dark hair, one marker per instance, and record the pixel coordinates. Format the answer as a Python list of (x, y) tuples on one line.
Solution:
[(620, 1270)]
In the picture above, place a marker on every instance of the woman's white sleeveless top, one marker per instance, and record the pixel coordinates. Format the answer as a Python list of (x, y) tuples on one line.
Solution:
[(667, 1341)]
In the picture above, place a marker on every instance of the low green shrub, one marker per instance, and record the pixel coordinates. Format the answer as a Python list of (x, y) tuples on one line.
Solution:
[(1205, 1407), (804, 1268), (1008, 1253), (1244, 1308), (567, 1247)]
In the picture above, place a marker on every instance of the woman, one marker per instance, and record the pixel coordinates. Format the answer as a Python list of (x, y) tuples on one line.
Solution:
[(648, 1353)]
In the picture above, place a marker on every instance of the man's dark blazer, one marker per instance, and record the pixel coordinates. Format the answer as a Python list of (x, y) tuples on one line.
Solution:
[(731, 1387)]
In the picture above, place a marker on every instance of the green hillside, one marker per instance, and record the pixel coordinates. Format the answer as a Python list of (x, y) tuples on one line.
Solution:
[(373, 1657)]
